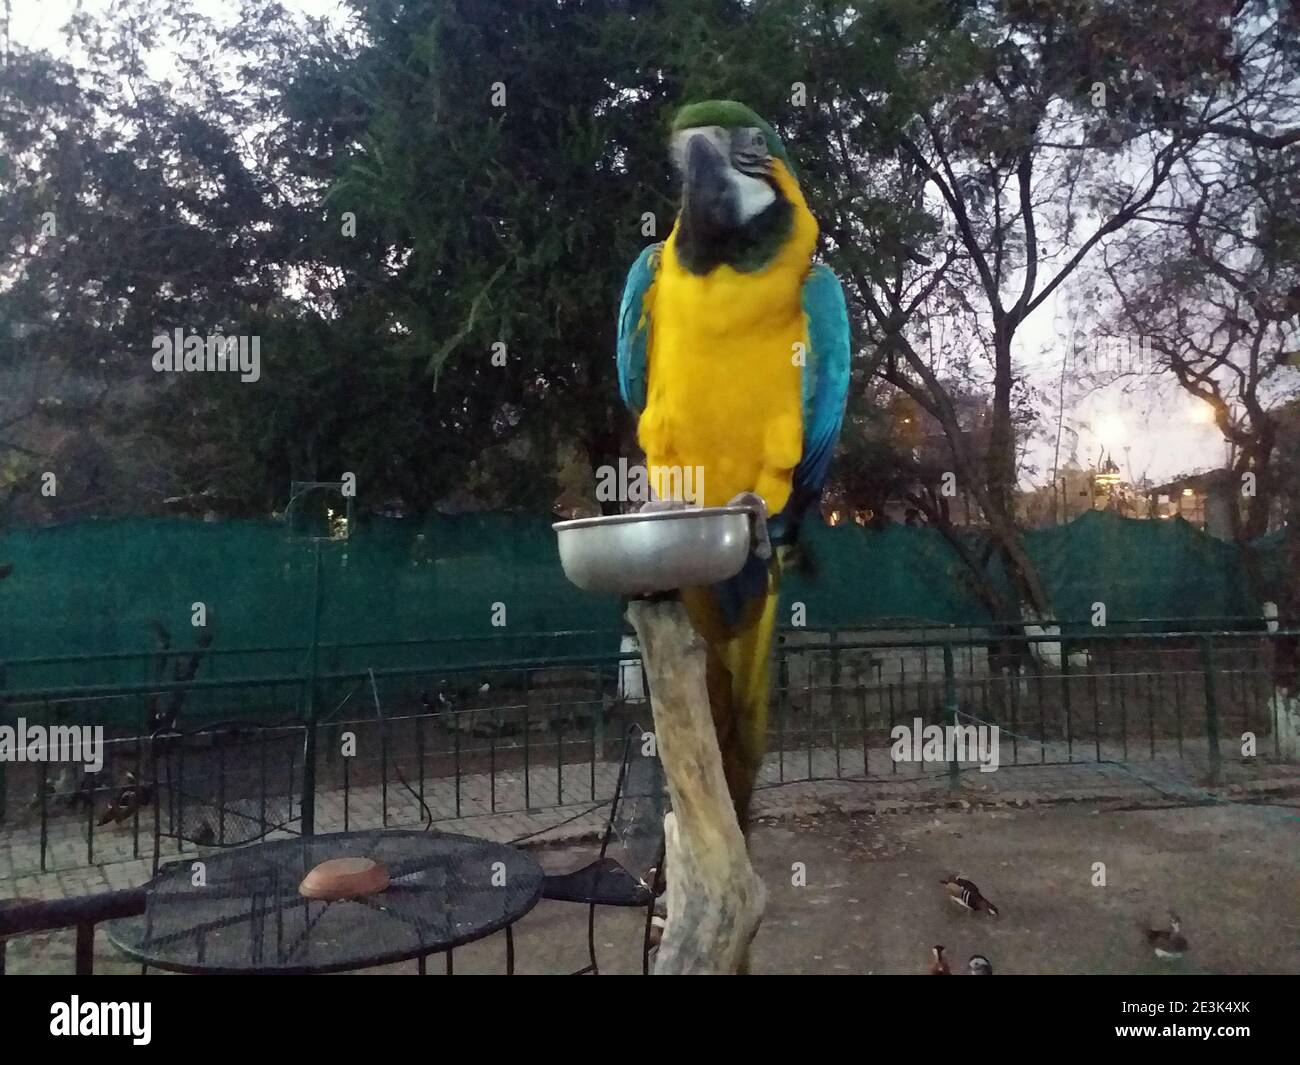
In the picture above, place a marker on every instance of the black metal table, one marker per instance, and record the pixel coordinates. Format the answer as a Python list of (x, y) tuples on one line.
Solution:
[(248, 917)]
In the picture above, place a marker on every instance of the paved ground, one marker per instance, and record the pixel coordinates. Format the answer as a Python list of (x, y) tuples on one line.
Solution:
[(872, 903)]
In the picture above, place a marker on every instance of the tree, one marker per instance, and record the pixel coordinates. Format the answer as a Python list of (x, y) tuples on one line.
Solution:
[(126, 210), (974, 171), (434, 278), (1209, 279), (504, 163), (1207, 293)]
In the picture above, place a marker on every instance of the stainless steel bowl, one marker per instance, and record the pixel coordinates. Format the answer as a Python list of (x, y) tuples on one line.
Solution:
[(639, 554)]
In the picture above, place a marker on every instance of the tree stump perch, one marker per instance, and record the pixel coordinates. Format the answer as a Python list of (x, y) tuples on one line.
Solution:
[(715, 899)]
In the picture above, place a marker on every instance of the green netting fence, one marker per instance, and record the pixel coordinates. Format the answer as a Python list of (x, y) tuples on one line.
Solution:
[(490, 587), (462, 585)]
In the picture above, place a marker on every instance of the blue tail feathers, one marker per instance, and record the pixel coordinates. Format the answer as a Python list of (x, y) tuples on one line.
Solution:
[(735, 593)]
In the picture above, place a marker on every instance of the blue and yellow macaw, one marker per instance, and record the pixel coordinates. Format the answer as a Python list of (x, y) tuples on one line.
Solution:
[(733, 353)]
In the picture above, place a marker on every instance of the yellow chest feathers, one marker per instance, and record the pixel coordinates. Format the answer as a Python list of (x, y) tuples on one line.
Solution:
[(724, 396)]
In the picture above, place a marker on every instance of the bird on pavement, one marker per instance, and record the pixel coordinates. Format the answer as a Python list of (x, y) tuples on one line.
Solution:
[(964, 893), (1168, 942), (131, 796)]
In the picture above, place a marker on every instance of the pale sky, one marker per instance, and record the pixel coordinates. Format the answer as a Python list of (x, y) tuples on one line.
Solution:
[(1156, 429), (1149, 425)]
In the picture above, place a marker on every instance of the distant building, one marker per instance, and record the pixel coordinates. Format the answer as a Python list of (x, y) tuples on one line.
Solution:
[(1204, 499), (1077, 489)]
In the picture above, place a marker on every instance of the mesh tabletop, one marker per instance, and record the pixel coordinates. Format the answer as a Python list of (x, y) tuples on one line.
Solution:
[(445, 890)]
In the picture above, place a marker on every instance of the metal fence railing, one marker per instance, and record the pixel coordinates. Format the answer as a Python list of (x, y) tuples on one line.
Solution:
[(390, 746), (234, 663), (82, 912)]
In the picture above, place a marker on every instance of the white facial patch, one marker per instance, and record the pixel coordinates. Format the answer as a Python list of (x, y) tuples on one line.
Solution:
[(754, 194)]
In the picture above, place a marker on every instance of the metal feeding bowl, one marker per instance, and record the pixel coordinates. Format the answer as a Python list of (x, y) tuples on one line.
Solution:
[(655, 551)]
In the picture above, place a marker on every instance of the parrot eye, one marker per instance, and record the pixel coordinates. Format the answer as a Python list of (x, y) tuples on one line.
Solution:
[(749, 151)]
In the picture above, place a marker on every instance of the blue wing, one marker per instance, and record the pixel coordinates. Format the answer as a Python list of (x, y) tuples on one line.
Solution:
[(634, 329), (825, 385)]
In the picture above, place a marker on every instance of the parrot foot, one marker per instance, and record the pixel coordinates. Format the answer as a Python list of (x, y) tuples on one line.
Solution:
[(761, 543)]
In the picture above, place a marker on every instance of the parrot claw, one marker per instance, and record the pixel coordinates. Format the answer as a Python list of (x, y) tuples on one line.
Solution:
[(762, 543)]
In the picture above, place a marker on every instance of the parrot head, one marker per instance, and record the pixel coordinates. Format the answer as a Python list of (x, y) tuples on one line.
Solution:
[(739, 193)]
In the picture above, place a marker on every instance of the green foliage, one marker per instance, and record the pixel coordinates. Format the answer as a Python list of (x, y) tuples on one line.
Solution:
[(355, 197), (474, 307)]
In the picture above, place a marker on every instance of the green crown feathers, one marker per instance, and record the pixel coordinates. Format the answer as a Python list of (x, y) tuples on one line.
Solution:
[(729, 114)]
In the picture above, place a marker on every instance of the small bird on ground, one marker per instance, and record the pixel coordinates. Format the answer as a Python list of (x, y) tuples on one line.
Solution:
[(939, 964), (1168, 942), (441, 702), (964, 893), (979, 966), (128, 799)]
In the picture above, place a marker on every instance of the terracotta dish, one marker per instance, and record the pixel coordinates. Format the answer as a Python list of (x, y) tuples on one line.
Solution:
[(344, 878)]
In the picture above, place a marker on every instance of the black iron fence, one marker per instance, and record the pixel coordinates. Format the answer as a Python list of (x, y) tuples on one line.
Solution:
[(397, 746)]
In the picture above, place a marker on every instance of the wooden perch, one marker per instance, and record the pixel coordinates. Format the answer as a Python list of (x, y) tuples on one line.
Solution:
[(715, 899)]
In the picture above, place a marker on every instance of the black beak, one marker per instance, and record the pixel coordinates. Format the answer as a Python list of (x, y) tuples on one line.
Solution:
[(708, 199)]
